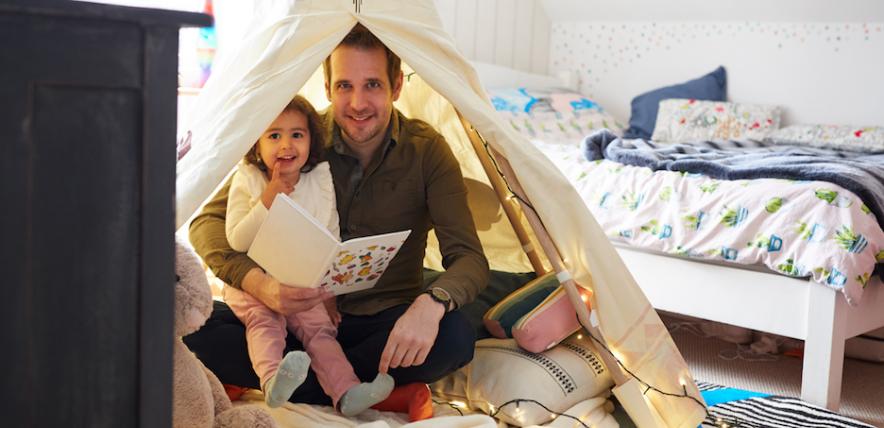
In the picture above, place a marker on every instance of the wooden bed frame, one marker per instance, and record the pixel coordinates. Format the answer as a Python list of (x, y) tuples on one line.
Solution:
[(759, 300)]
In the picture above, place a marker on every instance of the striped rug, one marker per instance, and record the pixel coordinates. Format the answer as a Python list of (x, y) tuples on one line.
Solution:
[(747, 409)]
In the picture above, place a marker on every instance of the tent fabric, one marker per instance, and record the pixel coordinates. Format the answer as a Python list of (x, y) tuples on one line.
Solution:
[(285, 54)]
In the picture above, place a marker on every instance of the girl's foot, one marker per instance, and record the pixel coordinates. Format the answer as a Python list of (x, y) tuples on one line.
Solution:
[(365, 395), (289, 376)]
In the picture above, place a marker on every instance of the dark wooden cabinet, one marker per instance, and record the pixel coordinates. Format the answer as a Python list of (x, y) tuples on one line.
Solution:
[(87, 157)]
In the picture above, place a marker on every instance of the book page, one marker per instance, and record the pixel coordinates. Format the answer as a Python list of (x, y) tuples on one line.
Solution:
[(292, 245), (360, 262)]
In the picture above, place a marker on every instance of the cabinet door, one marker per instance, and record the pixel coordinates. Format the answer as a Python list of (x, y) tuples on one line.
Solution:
[(87, 220)]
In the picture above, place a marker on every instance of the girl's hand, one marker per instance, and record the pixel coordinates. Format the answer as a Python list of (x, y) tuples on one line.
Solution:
[(276, 185), (331, 306)]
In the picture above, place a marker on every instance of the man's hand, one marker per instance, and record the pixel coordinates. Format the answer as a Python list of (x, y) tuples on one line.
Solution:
[(413, 335), (281, 298)]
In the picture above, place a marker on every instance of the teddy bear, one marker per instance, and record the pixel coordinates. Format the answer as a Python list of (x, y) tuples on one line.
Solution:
[(198, 398)]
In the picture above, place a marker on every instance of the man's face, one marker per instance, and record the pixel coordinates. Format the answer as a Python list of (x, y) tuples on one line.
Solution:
[(361, 95)]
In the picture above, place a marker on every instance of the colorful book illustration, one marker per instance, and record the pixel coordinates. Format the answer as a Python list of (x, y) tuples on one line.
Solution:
[(298, 251)]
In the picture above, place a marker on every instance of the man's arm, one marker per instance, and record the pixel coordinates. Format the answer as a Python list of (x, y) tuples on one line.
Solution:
[(209, 238), (466, 268)]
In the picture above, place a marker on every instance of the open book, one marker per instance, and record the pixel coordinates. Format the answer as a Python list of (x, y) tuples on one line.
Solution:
[(297, 250)]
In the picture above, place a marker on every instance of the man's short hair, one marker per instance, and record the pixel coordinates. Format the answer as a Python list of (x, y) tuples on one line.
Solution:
[(359, 37)]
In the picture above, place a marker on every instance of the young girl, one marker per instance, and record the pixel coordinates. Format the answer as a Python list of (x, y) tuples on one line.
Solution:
[(286, 160)]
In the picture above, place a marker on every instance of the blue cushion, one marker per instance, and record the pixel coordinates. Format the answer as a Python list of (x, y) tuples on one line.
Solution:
[(712, 87)]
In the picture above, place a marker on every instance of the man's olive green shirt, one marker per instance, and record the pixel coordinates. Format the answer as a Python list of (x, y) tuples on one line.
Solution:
[(413, 182)]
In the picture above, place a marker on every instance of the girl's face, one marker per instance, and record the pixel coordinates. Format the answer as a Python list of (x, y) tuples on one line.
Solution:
[(285, 144)]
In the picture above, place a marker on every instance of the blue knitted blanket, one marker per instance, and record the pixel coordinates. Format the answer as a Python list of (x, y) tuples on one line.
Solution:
[(860, 173)]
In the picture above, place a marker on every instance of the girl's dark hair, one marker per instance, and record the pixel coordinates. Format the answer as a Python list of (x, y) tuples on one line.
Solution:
[(317, 135)]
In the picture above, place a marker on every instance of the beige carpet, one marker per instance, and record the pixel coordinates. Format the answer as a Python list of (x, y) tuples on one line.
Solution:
[(862, 390)]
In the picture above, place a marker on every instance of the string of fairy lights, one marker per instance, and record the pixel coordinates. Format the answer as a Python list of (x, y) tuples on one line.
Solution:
[(720, 421)]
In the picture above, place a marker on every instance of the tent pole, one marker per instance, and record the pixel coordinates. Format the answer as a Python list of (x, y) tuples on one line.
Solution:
[(510, 207), (552, 254), (628, 390)]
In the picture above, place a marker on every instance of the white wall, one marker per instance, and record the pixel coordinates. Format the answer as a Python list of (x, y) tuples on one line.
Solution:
[(512, 33), (715, 10), (821, 60), (820, 72)]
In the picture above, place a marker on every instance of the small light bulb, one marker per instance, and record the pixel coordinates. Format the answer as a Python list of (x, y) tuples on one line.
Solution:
[(579, 336), (459, 404), (584, 297)]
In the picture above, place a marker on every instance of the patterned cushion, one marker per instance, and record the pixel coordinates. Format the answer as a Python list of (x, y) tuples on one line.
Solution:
[(568, 103), (687, 120), (560, 379), (842, 137), (712, 86), (518, 100)]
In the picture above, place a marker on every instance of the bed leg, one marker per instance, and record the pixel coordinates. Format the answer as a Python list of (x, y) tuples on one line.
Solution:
[(824, 347)]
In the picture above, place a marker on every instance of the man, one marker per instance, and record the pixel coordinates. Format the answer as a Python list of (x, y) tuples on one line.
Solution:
[(390, 173)]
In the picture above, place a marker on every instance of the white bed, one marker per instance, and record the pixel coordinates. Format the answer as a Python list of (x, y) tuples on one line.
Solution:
[(729, 294)]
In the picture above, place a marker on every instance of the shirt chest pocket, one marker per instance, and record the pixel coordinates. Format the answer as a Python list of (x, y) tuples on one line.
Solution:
[(405, 196)]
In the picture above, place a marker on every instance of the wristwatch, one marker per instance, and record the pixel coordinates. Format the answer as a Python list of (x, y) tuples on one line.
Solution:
[(441, 296)]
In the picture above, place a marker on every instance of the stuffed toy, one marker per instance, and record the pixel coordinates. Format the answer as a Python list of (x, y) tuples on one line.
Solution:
[(198, 398)]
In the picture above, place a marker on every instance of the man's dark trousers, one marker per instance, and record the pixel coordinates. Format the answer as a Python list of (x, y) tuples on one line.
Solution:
[(221, 345)]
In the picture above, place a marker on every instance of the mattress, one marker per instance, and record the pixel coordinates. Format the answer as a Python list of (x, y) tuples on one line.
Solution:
[(797, 228)]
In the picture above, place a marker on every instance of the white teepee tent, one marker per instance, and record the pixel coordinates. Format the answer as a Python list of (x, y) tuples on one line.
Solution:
[(285, 56)]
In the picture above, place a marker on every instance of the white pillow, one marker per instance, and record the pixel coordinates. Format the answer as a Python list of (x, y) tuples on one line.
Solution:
[(558, 378), (842, 137), (554, 127), (685, 121)]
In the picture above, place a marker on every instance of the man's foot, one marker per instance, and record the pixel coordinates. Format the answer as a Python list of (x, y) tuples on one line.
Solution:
[(289, 376), (414, 399), (365, 395)]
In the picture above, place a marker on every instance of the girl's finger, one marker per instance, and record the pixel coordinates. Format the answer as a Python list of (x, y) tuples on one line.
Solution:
[(274, 176)]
